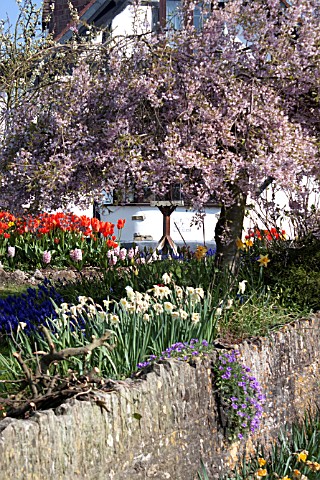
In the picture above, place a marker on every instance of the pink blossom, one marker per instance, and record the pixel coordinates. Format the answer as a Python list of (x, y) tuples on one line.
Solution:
[(230, 108)]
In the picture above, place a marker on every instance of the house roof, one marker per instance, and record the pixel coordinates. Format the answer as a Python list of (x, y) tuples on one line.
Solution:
[(97, 12)]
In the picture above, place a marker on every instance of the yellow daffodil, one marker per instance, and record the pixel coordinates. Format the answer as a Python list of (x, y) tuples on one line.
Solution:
[(249, 243), (200, 252), (262, 462), (302, 456), (263, 260), (286, 478), (240, 245), (262, 472), (314, 466), (297, 475)]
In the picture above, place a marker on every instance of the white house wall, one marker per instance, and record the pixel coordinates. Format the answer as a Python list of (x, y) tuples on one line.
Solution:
[(145, 224), (260, 217), (132, 20)]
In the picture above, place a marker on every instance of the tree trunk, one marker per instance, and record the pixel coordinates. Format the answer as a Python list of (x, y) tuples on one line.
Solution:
[(228, 230)]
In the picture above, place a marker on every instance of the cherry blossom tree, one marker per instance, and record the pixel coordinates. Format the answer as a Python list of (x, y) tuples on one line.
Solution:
[(222, 111)]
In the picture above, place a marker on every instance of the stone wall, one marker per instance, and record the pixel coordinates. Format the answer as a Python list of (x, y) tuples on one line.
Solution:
[(162, 425)]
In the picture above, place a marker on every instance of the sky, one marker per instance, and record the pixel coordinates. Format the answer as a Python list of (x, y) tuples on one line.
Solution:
[(10, 7)]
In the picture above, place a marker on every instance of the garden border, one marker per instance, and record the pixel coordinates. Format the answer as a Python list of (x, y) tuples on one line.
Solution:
[(162, 425)]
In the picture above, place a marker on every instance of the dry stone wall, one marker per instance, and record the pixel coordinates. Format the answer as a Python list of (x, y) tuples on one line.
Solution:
[(162, 425)]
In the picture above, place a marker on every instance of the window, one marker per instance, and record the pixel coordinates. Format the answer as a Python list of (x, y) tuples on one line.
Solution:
[(170, 14)]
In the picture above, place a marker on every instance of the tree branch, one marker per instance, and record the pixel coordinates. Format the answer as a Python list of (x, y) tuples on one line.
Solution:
[(27, 373), (64, 354), (263, 186)]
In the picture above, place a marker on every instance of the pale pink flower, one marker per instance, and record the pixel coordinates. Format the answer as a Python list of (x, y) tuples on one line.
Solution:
[(141, 260), (123, 253), (76, 255), (113, 260), (11, 252), (46, 257)]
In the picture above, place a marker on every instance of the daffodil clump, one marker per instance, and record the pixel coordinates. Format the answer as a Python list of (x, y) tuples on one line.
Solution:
[(265, 471), (182, 303), (142, 322), (257, 244), (295, 455)]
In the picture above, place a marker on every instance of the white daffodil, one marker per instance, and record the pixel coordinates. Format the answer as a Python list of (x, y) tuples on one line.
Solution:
[(158, 308), (21, 326), (194, 298), (102, 316), (64, 307), (138, 297), (82, 300), (113, 318), (146, 317), (143, 306), (146, 297), (74, 310), (199, 291), (168, 307), (183, 314), (242, 287), (190, 290), (131, 308), (130, 293), (124, 303), (161, 292), (179, 291), (195, 317), (166, 278), (106, 304), (92, 309)]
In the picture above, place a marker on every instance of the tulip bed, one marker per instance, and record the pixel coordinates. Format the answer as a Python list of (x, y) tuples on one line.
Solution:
[(59, 239)]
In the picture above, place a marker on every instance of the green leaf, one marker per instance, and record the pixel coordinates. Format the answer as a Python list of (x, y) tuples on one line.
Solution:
[(137, 416)]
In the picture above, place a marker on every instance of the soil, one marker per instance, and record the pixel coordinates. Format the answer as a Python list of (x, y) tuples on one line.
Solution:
[(20, 278)]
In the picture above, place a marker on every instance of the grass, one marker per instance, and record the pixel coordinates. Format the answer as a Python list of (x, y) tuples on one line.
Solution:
[(256, 315), (12, 289)]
